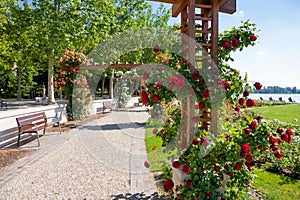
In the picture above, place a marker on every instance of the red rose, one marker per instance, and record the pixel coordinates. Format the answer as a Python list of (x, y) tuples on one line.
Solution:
[(252, 38), (201, 83), (285, 137), (204, 141), (247, 131), (145, 99), (208, 194), (217, 168), (145, 76), (171, 86), (289, 131), (274, 147), (201, 105), (168, 185), (226, 44), (246, 148), (156, 99), (272, 139), (235, 43), (146, 164), (176, 164), (258, 86), (253, 125), (249, 158), (195, 142), (158, 85), (226, 85), (174, 79), (258, 118), (250, 103), (154, 131), (238, 166), (242, 101), (242, 154), (180, 83), (189, 183), (196, 75), (260, 147), (237, 109), (205, 94), (186, 169), (246, 93), (280, 131), (278, 154), (156, 48)]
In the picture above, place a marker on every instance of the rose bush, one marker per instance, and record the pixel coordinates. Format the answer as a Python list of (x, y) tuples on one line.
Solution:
[(73, 84), (242, 138)]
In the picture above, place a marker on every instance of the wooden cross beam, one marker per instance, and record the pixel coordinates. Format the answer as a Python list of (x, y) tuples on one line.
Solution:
[(226, 6)]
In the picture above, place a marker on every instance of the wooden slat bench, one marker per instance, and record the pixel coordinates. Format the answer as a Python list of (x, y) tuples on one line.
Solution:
[(34, 123)]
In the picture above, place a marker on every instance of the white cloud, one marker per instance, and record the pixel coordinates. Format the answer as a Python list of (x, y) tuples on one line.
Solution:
[(241, 12)]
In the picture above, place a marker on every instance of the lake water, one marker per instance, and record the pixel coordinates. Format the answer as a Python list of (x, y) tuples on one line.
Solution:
[(295, 97)]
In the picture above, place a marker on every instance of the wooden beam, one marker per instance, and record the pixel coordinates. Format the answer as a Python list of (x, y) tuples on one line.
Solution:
[(167, 1), (178, 7)]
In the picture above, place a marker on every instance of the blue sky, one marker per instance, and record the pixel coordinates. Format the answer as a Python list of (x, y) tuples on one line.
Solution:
[(275, 60)]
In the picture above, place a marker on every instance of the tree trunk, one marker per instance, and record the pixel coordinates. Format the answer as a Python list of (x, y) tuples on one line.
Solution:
[(51, 98), (111, 85)]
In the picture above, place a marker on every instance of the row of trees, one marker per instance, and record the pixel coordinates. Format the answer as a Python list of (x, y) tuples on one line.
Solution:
[(34, 33), (278, 90)]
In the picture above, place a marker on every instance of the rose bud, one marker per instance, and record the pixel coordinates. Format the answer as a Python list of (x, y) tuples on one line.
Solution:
[(246, 93), (252, 38), (258, 86), (238, 166)]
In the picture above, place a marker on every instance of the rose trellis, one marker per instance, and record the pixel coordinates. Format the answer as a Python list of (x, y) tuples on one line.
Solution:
[(214, 166)]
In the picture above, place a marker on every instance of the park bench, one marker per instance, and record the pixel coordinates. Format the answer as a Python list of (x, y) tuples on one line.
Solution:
[(34, 123), (3, 104), (107, 106)]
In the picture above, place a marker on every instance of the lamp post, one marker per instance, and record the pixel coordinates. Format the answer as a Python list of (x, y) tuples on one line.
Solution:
[(17, 73)]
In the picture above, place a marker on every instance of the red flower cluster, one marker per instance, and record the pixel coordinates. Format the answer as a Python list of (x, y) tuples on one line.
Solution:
[(145, 99), (186, 169), (168, 185), (179, 81)]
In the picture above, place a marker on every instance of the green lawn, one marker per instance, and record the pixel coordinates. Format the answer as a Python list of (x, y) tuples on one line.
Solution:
[(285, 113), (156, 157), (276, 187)]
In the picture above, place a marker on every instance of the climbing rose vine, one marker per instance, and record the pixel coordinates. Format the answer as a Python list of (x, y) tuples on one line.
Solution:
[(216, 168)]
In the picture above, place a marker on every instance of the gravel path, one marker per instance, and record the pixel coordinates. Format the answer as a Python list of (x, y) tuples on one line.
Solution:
[(102, 160)]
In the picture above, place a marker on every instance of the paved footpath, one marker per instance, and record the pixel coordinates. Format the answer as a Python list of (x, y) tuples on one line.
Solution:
[(103, 159)]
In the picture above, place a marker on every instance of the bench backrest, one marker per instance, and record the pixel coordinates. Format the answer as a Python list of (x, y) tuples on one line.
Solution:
[(37, 119)]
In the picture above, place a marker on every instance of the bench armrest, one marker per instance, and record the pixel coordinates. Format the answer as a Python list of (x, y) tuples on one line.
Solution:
[(53, 118)]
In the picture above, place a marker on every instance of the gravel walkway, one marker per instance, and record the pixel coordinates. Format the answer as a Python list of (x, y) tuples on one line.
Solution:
[(101, 160)]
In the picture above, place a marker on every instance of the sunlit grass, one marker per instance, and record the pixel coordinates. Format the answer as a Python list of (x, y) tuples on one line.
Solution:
[(285, 113), (275, 186)]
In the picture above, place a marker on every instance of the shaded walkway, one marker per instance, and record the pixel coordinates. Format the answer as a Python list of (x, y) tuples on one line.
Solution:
[(99, 160)]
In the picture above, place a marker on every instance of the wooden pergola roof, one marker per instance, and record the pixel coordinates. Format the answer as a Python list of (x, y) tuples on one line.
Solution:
[(226, 6)]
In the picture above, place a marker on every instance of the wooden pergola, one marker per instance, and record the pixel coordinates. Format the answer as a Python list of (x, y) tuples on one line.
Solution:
[(200, 22)]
